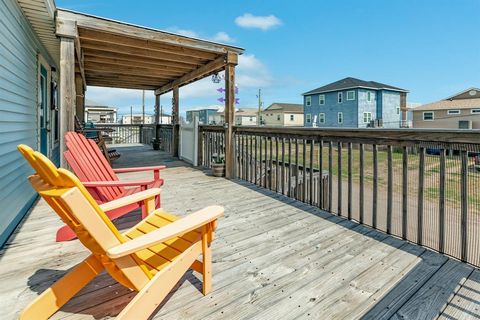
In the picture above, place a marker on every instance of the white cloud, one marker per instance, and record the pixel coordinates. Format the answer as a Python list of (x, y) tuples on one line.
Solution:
[(252, 73), (220, 36), (264, 23)]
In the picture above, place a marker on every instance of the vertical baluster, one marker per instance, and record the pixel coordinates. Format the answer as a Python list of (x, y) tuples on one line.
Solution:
[(405, 193), (276, 164), (270, 165), (311, 194), (283, 166), (464, 205), (375, 186), (421, 186), (249, 158), (304, 170), (362, 191), (297, 170), (321, 185), (339, 185), (330, 174), (350, 193), (441, 204), (242, 156), (255, 163), (260, 182), (290, 167)]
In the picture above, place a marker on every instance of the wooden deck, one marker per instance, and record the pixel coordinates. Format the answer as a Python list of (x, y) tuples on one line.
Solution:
[(273, 258)]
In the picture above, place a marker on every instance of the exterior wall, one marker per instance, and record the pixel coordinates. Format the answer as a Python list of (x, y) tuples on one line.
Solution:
[(331, 109), (138, 119), (390, 110), (366, 106), (19, 47), (297, 121), (205, 116), (244, 120), (276, 118), (442, 120)]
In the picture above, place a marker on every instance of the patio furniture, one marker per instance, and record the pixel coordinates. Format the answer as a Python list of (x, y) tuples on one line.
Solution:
[(98, 135), (150, 258), (100, 179)]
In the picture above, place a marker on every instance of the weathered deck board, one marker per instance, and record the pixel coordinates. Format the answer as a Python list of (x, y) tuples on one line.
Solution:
[(273, 257)]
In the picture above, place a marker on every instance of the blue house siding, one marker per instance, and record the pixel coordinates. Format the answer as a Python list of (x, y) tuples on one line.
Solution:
[(19, 47), (391, 116), (366, 106), (331, 108)]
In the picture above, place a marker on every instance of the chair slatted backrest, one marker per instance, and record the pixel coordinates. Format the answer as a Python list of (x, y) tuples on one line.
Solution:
[(89, 164), (71, 201)]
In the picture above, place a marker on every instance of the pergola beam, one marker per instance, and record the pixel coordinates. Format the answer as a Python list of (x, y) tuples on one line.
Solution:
[(203, 71)]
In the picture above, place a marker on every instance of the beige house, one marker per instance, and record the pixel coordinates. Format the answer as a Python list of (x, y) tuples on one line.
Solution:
[(283, 114), (461, 111), (98, 113), (246, 117)]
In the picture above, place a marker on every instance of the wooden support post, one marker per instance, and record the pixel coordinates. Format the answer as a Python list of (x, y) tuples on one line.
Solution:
[(80, 97), (67, 90), (175, 122), (232, 60), (157, 115)]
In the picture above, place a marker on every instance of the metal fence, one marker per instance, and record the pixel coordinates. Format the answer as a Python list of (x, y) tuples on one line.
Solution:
[(420, 186)]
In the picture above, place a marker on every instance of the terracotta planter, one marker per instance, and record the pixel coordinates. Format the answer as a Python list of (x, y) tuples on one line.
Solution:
[(218, 169)]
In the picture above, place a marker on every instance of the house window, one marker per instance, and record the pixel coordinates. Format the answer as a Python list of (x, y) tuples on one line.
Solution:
[(340, 97), (398, 110), (428, 116), (453, 112), (474, 111), (308, 118), (308, 100), (321, 117), (351, 95), (250, 119), (369, 96), (292, 117), (278, 117), (367, 117), (321, 99), (340, 117)]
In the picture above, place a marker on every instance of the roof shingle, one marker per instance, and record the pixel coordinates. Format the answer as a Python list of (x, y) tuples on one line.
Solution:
[(350, 83)]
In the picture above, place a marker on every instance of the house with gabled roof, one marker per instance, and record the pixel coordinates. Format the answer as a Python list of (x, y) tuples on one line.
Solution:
[(460, 111), (282, 115), (356, 103)]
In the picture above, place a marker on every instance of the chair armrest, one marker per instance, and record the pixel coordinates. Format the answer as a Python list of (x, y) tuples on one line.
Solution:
[(172, 230), (117, 183), (138, 169), (136, 197)]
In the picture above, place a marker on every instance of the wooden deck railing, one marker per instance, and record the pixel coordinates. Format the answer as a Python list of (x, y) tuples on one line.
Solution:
[(165, 134), (420, 185), (130, 133), (211, 143)]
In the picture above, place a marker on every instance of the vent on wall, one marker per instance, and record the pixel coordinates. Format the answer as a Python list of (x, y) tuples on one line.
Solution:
[(465, 124)]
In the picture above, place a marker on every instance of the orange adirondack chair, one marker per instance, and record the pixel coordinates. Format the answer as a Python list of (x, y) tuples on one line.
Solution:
[(150, 258), (100, 179)]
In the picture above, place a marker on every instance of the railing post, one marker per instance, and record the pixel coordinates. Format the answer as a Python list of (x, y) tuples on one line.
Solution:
[(231, 60), (140, 133), (175, 122)]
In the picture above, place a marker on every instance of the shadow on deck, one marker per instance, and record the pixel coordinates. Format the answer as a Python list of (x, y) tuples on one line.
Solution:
[(274, 258)]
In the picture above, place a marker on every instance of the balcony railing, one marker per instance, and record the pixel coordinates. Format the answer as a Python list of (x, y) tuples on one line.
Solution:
[(422, 186)]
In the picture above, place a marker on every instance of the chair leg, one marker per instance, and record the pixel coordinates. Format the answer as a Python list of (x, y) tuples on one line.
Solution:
[(207, 260), (52, 299), (151, 296)]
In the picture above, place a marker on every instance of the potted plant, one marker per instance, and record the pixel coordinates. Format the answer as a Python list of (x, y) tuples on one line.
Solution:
[(218, 165), (156, 144)]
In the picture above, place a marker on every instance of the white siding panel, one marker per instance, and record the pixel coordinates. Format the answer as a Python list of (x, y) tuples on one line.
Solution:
[(18, 112)]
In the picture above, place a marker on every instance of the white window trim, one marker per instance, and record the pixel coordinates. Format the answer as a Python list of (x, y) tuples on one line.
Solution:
[(474, 111), (308, 101), (340, 115), (339, 94), (453, 111), (308, 118), (369, 96), (368, 117), (323, 96), (321, 117), (433, 116), (351, 91)]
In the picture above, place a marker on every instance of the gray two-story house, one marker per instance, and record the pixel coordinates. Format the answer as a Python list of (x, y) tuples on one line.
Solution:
[(354, 103)]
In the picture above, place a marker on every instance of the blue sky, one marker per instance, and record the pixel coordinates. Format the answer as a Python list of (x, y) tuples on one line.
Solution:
[(429, 47)]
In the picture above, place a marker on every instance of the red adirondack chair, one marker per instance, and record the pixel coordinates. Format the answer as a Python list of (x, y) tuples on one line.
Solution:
[(100, 179)]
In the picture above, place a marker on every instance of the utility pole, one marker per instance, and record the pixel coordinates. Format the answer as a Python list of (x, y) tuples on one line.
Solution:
[(259, 96), (131, 114), (143, 106)]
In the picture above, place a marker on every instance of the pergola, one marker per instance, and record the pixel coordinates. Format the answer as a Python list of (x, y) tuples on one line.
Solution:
[(100, 52)]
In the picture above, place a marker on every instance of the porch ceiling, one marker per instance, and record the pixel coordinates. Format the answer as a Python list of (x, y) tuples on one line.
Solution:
[(121, 55)]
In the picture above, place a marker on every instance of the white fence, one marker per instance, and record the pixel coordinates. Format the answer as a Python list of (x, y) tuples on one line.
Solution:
[(189, 142)]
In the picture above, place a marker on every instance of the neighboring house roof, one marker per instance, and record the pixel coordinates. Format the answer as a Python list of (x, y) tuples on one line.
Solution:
[(450, 104), (351, 83), (285, 107), (466, 99), (246, 112)]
